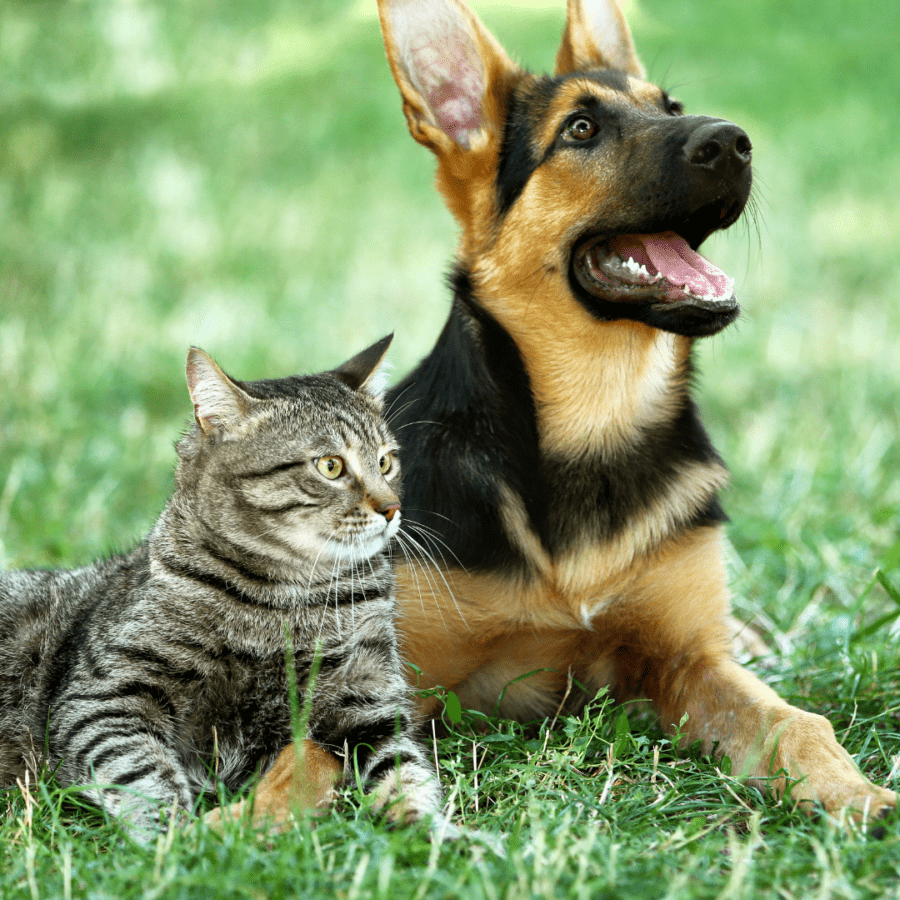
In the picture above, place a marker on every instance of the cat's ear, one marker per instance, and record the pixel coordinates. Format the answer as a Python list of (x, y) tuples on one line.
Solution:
[(367, 371), (219, 404)]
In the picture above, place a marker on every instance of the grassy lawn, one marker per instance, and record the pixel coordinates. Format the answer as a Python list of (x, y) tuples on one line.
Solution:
[(238, 176)]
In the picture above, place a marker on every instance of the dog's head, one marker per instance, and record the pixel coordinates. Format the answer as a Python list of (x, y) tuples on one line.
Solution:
[(590, 181)]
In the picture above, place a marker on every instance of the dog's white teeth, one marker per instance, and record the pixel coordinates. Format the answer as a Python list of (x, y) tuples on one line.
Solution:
[(726, 295), (636, 269), (713, 296)]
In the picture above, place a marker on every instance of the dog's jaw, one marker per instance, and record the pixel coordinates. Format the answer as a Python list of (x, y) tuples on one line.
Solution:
[(662, 276), (657, 266), (653, 278)]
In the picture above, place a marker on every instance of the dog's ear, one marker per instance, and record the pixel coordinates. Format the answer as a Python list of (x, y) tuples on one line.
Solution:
[(452, 73), (597, 37)]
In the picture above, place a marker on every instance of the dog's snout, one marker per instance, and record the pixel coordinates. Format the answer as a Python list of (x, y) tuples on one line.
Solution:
[(718, 146)]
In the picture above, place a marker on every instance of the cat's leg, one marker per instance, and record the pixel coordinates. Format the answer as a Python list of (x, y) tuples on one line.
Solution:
[(129, 771), (302, 779), (393, 766), (402, 781), (362, 706)]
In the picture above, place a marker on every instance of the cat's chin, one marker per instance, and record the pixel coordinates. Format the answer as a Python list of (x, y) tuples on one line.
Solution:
[(358, 548)]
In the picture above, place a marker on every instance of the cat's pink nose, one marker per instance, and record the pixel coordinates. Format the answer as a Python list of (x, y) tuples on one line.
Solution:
[(389, 510)]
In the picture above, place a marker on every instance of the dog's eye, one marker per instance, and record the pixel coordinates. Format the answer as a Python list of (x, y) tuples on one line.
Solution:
[(580, 129), (673, 107)]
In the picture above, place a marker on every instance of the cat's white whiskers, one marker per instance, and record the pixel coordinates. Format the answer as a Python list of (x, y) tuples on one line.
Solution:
[(368, 562), (413, 568), (434, 536), (332, 580), (431, 512), (416, 569), (356, 574), (312, 573), (336, 574), (432, 583), (418, 422), (430, 557), (392, 410)]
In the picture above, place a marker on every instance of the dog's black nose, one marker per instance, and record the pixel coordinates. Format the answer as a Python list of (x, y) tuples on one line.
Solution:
[(719, 146)]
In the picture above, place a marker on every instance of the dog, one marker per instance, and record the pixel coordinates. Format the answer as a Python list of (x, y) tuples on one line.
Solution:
[(550, 444)]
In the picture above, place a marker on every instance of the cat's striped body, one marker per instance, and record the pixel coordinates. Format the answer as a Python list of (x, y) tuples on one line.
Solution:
[(163, 669)]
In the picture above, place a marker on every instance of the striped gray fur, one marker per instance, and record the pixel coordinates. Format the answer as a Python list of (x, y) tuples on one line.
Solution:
[(152, 674)]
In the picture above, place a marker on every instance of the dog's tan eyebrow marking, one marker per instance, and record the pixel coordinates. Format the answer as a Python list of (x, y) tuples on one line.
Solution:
[(581, 93), (536, 112), (645, 92)]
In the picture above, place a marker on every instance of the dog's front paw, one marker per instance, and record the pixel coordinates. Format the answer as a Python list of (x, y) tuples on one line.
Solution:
[(877, 828), (826, 775), (869, 806)]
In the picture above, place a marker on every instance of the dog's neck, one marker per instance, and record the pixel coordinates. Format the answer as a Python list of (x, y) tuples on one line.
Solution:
[(596, 384)]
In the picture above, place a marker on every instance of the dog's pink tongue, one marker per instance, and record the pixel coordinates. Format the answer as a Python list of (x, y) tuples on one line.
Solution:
[(669, 254)]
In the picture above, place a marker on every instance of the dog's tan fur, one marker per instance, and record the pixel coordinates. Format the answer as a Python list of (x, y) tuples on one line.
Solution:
[(301, 781), (646, 610)]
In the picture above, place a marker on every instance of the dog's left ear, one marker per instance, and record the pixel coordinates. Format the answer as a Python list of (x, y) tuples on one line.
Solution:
[(597, 37)]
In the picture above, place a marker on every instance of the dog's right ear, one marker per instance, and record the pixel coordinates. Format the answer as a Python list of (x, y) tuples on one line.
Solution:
[(597, 37), (450, 69)]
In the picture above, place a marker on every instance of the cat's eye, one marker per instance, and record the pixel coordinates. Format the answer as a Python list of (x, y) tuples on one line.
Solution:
[(580, 129), (330, 466), (385, 462)]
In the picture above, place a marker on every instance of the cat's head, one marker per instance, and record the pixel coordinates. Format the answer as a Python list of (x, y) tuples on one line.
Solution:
[(296, 470)]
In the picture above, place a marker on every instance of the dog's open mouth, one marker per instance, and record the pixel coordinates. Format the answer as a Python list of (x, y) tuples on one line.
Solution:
[(655, 268)]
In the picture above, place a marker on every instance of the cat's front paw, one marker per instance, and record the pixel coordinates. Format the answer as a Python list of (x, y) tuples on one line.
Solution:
[(407, 793)]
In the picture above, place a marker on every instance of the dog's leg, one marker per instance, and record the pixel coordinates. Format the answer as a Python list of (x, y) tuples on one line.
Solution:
[(682, 660), (302, 780), (767, 740)]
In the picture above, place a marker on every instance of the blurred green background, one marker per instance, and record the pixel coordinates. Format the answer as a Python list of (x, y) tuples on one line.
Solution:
[(238, 175)]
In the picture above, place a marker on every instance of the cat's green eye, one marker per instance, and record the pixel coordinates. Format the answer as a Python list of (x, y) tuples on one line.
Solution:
[(385, 463), (330, 466)]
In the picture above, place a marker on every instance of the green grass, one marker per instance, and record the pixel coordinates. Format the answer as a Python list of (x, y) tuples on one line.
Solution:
[(238, 175)]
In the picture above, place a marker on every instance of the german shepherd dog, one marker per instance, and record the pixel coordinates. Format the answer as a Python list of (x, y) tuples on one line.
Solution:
[(550, 442)]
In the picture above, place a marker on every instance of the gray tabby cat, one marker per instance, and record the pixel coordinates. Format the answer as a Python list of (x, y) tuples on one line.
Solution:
[(139, 674)]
